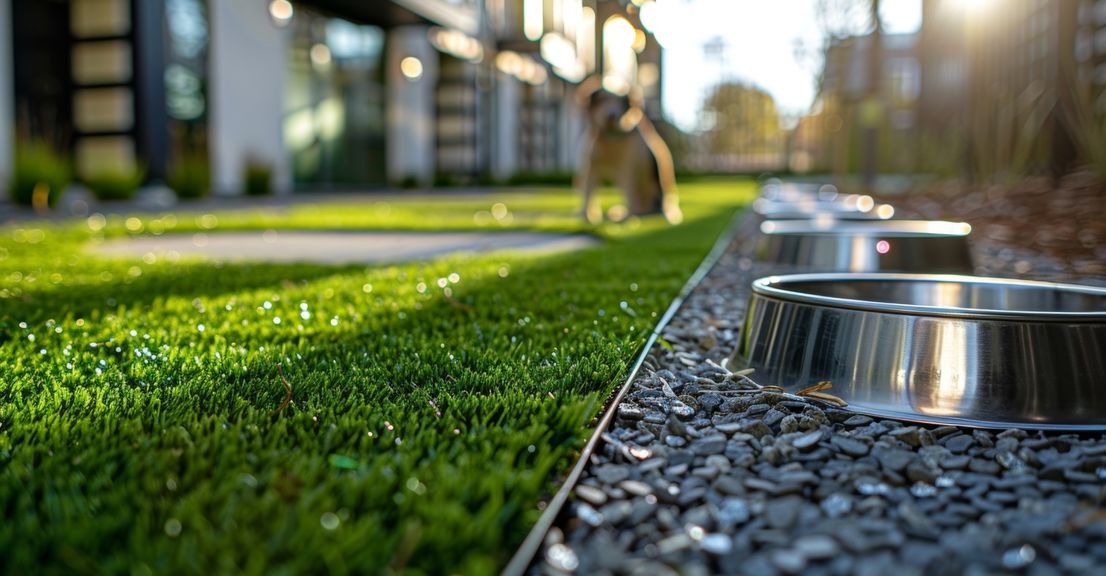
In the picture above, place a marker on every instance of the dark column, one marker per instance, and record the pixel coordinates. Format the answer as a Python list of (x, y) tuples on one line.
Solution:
[(873, 97), (1063, 154), (151, 119)]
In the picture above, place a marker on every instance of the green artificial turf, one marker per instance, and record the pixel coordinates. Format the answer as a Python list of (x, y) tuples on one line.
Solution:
[(433, 403)]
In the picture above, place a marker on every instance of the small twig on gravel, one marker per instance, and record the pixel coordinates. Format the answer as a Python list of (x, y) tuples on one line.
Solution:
[(1089, 516), (716, 365), (287, 393), (815, 392), (823, 385)]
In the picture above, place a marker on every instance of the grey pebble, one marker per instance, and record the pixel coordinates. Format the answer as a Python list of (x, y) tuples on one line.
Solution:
[(955, 462), (808, 441), (894, 459), (635, 487), (787, 561), (674, 544), (591, 494), (858, 420), (983, 466), (709, 446), (761, 485), (588, 514), (717, 544), (612, 474), (630, 411), (675, 441), (837, 505), (850, 446), (729, 485), (816, 547), (733, 511), (616, 512), (783, 512), (908, 435), (959, 444)]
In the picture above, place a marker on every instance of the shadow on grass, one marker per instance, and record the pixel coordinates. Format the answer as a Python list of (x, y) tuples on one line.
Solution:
[(428, 432), (156, 283)]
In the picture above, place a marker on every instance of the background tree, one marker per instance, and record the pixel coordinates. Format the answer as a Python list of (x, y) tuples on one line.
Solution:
[(743, 121)]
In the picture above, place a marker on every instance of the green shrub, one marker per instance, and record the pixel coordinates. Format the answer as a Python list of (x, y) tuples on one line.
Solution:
[(191, 176), (258, 178), (1088, 127), (553, 178), (408, 182), (37, 163), (447, 180), (115, 183)]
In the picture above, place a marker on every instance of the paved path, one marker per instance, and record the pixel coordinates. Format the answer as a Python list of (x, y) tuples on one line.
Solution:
[(340, 247)]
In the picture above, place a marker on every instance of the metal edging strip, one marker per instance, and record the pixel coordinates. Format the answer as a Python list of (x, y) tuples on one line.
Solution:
[(526, 552)]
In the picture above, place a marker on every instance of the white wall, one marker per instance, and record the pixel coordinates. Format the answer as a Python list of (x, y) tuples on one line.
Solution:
[(508, 103), (247, 80), (410, 106), (7, 104)]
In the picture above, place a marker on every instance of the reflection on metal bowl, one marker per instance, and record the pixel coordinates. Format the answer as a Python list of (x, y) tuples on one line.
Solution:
[(863, 246), (959, 350), (777, 191), (850, 206)]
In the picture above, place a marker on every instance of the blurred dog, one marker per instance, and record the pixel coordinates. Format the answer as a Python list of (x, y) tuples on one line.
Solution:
[(623, 146)]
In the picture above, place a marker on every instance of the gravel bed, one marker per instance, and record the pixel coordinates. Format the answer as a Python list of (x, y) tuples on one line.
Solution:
[(995, 259), (703, 472)]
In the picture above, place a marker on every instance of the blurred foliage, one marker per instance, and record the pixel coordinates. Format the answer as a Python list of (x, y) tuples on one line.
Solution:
[(541, 178), (191, 176), (115, 183), (36, 163), (1088, 126), (745, 121), (943, 154), (1009, 137), (257, 178)]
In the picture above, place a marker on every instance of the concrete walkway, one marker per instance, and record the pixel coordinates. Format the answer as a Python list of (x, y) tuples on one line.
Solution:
[(340, 247)]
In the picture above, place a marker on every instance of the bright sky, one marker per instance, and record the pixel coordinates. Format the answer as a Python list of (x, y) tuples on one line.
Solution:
[(761, 37)]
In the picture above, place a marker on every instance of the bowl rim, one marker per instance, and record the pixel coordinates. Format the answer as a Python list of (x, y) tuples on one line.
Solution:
[(772, 287), (885, 228)]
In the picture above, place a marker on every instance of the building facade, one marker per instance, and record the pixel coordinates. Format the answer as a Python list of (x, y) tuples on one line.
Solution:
[(329, 94)]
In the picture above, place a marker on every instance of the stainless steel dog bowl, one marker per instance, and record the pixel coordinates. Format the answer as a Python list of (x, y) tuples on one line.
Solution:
[(959, 350), (888, 246)]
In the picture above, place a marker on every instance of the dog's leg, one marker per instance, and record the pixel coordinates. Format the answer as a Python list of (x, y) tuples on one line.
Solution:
[(666, 171)]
